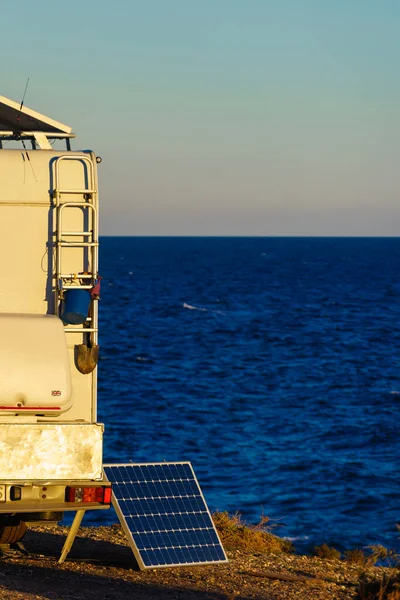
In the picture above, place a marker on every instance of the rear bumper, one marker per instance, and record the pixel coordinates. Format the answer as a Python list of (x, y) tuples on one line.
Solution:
[(50, 497)]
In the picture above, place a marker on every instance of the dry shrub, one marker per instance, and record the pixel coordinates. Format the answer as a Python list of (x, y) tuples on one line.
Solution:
[(388, 588), (328, 552), (356, 557), (238, 535), (379, 552)]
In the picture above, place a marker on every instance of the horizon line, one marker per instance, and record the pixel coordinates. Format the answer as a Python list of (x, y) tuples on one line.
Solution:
[(184, 235)]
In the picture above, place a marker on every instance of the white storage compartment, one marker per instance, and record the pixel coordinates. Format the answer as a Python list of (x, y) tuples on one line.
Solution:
[(34, 365)]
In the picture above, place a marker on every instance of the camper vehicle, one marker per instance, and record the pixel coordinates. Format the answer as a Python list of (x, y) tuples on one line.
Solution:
[(50, 441)]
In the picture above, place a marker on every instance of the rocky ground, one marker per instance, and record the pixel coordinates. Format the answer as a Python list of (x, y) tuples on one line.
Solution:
[(101, 566)]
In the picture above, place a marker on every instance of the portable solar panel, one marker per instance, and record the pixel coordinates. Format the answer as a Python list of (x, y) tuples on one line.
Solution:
[(164, 515)]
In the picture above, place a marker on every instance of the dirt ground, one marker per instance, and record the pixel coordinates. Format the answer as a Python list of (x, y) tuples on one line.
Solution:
[(101, 566)]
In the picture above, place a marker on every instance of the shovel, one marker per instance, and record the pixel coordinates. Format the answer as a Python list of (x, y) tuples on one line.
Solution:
[(86, 357)]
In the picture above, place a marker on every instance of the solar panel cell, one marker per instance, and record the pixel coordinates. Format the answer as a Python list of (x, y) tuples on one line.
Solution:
[(164, 514)]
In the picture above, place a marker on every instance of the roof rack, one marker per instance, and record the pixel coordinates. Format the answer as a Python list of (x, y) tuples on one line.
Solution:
[(18, 123)]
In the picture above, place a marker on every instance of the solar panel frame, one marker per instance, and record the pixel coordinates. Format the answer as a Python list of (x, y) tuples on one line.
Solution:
[(169, 517)]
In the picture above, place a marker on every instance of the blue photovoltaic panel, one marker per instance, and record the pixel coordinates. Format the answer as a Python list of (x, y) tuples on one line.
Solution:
[(164, 514)]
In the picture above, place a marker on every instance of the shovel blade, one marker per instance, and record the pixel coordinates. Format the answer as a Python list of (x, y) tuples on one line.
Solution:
[(86, 358)]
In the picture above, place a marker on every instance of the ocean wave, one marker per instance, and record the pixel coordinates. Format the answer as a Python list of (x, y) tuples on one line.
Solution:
[(190, 307), (143, 359)]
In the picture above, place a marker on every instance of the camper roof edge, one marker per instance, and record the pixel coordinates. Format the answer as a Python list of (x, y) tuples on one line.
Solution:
[(19, 122)]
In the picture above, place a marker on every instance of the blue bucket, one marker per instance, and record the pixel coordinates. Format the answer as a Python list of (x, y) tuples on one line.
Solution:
[(76, 306)]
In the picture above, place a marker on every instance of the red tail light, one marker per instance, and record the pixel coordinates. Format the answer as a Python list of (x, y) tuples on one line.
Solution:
[(98, 494), (107, 495)]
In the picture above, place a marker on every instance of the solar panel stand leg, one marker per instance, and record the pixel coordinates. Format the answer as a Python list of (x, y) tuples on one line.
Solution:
[(71, 535)]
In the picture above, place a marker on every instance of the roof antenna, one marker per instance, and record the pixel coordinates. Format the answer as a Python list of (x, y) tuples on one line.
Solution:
[(22, 104), (17, 128), (23, 97)]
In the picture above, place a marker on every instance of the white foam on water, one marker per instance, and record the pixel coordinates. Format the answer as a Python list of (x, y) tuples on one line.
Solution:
[(190, 307)]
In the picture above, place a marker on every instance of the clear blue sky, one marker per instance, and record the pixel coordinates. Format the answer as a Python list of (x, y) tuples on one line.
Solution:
[(222, 117)]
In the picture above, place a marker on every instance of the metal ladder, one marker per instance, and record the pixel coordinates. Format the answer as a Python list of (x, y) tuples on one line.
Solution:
[(90, 243)]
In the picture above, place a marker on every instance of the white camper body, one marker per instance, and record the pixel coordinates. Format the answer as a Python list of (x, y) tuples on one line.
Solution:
[(50, 441)]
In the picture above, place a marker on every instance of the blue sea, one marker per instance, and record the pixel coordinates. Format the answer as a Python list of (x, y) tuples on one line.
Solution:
[(272, 364)]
